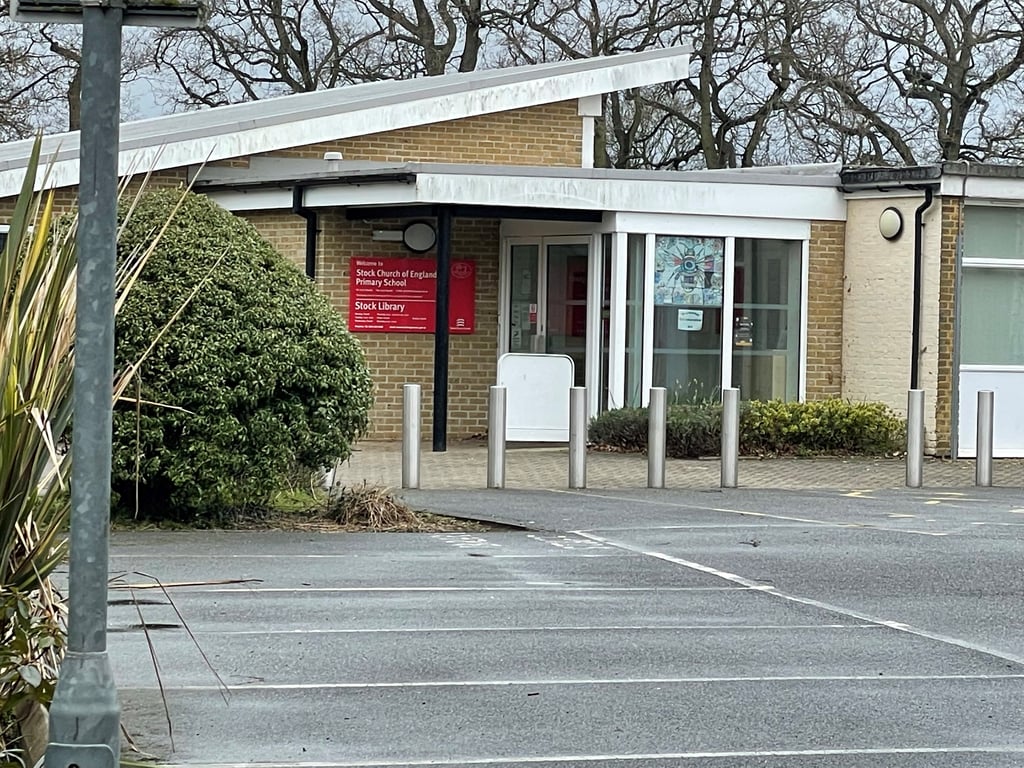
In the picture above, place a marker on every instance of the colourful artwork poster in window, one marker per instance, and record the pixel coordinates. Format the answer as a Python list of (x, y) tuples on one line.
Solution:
[(688, 271)]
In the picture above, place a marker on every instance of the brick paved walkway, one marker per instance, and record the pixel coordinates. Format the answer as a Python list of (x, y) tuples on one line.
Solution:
[(464, 465)]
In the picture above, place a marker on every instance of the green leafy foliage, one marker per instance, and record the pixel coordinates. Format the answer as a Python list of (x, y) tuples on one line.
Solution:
[(766, 427), (821, 426), (31, 645), (255, 376)]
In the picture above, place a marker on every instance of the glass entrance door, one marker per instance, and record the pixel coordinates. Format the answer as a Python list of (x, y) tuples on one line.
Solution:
[(565, 305), (548, 299)]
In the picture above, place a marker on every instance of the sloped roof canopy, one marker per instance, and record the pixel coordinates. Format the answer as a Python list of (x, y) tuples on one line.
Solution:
[(358, 110)]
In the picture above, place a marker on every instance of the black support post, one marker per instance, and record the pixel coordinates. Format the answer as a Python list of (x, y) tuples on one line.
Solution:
[(441, 334)]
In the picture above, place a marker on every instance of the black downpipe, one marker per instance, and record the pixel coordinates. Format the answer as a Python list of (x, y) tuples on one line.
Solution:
[(312, 228), (444, 260), (915, 329)]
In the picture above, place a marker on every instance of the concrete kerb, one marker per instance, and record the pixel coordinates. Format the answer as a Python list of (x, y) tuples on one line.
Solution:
[(538, 467)]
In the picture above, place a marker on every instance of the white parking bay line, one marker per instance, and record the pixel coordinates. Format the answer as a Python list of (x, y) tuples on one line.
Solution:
[(763, 515), (570, 628), (625, 758), (585, 681), (839, 610), (530, 588)]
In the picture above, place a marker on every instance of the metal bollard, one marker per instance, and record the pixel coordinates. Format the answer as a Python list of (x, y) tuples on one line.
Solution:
[(496, 438), (656, 437), (411, 436), (577, 437), (915, 437), (730, 436), (983, 462)]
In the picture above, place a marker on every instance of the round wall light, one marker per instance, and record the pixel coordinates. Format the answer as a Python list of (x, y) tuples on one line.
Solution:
[(419, 236), (890, 223)]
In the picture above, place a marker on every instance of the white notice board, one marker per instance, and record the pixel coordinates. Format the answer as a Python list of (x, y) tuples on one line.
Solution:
[(536, 396)]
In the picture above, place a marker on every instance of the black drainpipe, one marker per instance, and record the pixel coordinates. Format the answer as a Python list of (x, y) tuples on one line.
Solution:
[(915, 332), (312, 228)]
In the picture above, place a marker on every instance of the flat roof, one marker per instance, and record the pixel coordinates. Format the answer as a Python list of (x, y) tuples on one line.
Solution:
[(812, 194), (277, 172)]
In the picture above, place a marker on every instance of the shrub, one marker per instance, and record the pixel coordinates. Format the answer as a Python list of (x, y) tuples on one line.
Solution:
[(819, 427), (691, 431), (256, 375), (624, 428)]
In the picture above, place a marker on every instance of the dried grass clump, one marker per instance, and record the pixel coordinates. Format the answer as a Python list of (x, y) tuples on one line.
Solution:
[(372, 507)]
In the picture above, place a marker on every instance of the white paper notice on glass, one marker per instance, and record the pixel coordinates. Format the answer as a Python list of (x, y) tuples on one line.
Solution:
[(690, 319)]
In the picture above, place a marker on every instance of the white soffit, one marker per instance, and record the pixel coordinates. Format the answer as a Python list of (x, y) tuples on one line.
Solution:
[(290, 121)]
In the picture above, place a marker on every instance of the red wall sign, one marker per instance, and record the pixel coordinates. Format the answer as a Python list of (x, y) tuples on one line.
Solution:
[(399, 295)]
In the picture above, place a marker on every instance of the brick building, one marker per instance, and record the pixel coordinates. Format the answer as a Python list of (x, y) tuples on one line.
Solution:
[(775, 280)]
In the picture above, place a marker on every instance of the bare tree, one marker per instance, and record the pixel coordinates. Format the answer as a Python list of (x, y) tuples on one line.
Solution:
[(551, 30), (40, 89), (253, 49), (918, 80)]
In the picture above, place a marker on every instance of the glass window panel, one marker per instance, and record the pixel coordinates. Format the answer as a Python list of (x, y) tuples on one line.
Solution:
[(688, 280), (634, 319), (993, 233), (523, 308), (992, 317), (766, 319), (606, 303)]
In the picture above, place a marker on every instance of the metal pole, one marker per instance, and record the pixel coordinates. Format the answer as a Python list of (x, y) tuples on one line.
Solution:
[(85, 714), (577, 437), (656, 428), (730, 436), (441, 329), (983, 463), (411, 436), (915, 437), (496, 438)]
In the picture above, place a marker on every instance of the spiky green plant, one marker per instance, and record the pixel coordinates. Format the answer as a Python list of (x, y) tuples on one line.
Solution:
[(37, 317), (37, 269)]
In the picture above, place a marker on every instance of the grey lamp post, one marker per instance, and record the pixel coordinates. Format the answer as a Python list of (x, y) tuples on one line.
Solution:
[(85, 715)]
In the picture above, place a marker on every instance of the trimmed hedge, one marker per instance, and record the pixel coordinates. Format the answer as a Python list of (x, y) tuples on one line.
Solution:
[(833, 426), (256, 377)]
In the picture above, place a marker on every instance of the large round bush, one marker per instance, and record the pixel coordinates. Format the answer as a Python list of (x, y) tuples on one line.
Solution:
[(256, 377)]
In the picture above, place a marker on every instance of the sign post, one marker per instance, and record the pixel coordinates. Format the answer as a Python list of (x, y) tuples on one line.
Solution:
[(85, 714)]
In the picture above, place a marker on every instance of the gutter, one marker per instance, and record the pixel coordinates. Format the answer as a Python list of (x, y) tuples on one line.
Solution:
[(312, 227)]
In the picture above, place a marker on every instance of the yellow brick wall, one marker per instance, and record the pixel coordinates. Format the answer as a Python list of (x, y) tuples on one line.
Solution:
[(408, 358), (550, 134), (66, 198), (952, 223), (825, 310)]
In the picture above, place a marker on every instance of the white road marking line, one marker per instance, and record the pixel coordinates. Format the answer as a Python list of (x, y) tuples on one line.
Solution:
[(625, 758), (745, 513), (536, 588), (580, 628), (616, 681), (858, 615)]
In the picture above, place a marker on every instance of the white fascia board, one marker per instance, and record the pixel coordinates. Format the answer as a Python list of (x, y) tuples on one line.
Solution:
[(236, 200), (713, 226), (991, 188), (242, 141), (344, 196), (315, 197), (635, 196)]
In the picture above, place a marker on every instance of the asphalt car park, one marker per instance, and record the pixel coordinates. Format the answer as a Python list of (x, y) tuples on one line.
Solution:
[(740, 628)]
